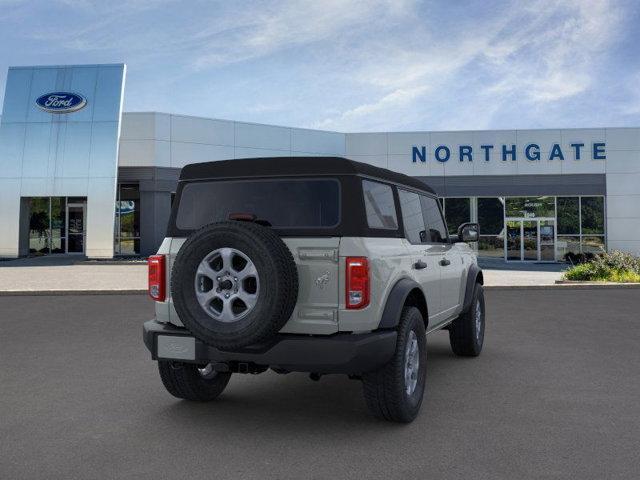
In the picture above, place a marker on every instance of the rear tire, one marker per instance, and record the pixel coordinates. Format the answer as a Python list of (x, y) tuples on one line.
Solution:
[(274, 286), (390, 392), (466, 333), (191, 382)]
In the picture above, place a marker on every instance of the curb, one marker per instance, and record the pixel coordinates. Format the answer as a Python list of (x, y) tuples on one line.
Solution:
[(22, 293), (565, 286), (586, 282)]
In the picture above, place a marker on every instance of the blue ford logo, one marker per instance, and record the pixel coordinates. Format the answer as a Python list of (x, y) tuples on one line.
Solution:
[(61, 102)]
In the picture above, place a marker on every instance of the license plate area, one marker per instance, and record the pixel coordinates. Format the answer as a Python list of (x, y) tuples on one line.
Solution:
[(176, 347)]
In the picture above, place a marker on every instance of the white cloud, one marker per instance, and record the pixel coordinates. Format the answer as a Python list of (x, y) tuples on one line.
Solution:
[(352, 64), (286, 24), (534, 55)]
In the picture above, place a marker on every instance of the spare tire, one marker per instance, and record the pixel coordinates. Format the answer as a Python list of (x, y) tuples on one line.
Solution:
[(234, 284)]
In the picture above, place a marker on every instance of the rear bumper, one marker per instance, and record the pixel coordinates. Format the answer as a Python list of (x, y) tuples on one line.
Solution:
[(340, 353)]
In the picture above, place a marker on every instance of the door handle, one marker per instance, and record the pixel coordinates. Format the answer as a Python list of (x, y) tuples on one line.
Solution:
[(419, 265), (444, 262)]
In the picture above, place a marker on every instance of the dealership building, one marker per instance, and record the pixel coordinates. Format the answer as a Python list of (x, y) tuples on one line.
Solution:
[(80, 176)]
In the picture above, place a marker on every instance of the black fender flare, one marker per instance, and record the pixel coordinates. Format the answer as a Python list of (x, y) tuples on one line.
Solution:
[(473, 276), (395, 302)]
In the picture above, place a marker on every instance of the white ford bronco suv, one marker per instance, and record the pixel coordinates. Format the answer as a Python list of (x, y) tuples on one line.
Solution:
[(313, 264)]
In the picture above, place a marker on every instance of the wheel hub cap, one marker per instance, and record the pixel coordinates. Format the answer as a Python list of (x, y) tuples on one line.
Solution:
[(227, 284), (411, 363)]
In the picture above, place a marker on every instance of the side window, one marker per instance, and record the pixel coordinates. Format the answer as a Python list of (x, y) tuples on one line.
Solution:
[(412, 216), (379, 205), (437, 232)]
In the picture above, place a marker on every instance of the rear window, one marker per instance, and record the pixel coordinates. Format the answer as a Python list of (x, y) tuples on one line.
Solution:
[(379, 205), (284, 203)]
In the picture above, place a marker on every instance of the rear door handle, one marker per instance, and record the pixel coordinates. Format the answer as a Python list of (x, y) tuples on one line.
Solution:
[(419, 265), (444, 262)]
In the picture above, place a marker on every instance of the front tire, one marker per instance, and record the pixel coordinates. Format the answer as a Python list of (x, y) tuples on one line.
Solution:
[(395, 392), (192, 382), (466, 333)]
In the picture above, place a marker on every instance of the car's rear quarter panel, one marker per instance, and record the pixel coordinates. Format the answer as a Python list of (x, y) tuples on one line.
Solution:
[(389, 261)]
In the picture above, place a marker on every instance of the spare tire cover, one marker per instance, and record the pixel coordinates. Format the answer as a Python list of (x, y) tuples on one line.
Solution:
[(234, 284)]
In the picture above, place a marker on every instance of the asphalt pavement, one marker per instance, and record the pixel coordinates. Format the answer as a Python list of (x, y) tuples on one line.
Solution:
[(555, 394)]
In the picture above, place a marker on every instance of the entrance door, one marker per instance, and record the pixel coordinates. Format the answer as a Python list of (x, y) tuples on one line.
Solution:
[(530, 240), (75, 227), (513, 240), (547, 240)]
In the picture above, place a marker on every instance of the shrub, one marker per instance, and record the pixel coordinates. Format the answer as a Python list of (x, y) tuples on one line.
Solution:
[(615, 266), (578, 258)]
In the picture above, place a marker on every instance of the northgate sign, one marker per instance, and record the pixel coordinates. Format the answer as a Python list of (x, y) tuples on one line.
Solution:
[(531, 152)]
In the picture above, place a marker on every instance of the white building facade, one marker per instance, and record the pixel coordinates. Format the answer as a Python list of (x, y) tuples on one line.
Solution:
[(537, 194)]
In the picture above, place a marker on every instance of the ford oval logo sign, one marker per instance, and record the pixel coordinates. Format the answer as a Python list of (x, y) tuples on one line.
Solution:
[(61, 102)]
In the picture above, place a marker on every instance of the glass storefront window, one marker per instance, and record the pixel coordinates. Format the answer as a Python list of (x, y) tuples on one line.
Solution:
[(58, 244), (568, 216), (39, 225), (127, 221), (491, 215), (491, 246), (48, 228), (129, 211), (567, 244), (592, 212), (530, 207), (593, 244), (456, 211)]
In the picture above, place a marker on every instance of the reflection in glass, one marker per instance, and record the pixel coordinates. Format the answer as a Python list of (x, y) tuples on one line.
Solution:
[(127, 220), (530, 207), (378, 202), (50, 225), (568, 244), (412, 218), (433, 220), (129, 246), (39, 225), (593, 244), (530, 240), (58, 244), (513, 240), (76, 243), (456, 211), (592, 215), (491, 246), (491, 215), (58, 206), (568, 216), (129, 211), (547, 242), (76, 227)]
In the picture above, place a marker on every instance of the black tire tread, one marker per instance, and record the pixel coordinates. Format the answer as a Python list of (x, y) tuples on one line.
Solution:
[(281, 255), (383, 389), (182, 380), (461, 330)]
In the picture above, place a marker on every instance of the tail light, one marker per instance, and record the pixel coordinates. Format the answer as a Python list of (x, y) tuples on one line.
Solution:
[(357, 282), (157, 282)]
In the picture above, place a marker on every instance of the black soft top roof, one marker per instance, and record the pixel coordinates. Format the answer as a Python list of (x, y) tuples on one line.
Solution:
[(294, 166)]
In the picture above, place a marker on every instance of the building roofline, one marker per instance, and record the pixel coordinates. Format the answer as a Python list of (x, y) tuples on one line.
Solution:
[(378, 132)]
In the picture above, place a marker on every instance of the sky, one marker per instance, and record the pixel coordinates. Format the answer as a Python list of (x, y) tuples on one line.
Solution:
[(372, 65)]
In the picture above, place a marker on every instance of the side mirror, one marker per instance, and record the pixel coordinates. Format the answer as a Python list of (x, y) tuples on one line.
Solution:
[(469, 232)]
